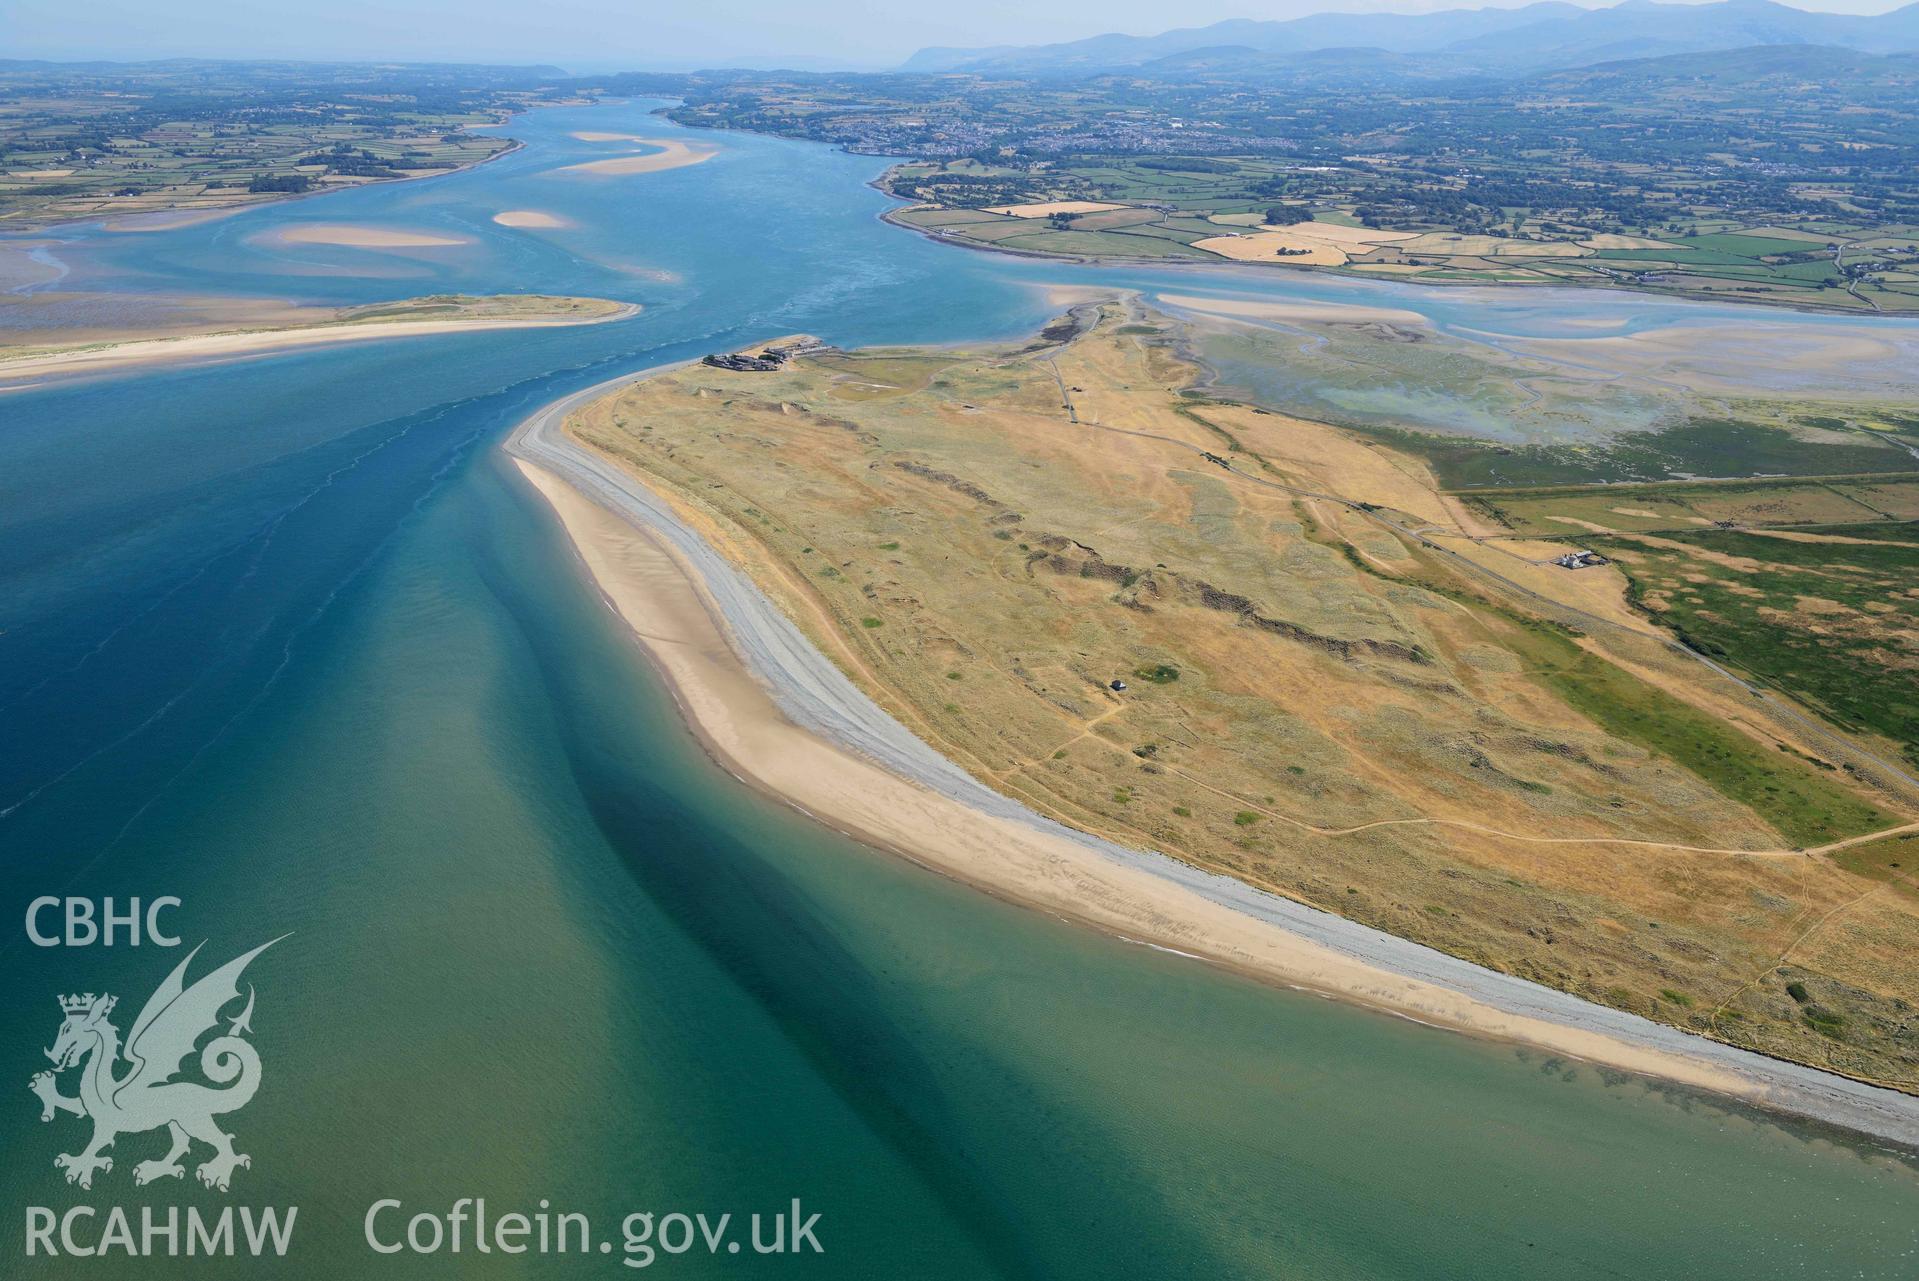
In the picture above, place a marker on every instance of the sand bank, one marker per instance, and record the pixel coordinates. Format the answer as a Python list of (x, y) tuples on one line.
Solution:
[(1296, 310), (107, 357), (530, 218), (1733, 358), (171, 219), (673, 154), (776, 712), (360, 237)]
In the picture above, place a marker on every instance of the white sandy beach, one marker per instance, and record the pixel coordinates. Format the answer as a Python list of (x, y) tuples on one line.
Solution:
[(777, 713), (32, 368)]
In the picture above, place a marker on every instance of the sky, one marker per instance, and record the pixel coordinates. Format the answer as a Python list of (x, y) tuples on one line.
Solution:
[(597, 35)]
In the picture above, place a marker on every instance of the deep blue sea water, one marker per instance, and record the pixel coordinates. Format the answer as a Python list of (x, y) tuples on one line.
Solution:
[(287, 639)]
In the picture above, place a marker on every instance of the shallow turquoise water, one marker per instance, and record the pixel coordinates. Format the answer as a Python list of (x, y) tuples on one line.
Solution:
[(287, 638)]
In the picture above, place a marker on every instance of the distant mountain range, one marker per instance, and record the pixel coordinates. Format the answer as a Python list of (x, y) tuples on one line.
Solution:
[(1546, 36)]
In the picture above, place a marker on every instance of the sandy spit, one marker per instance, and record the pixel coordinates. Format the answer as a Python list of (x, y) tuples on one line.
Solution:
[(199, 347), (674, 154), (776, 712)]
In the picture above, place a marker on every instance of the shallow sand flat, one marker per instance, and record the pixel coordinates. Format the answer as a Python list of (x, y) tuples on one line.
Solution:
[(1062, 296), (776, 712), (1734, 359), (357, 237), (196, 347), (1051, 207), (28, 262), (673, 154), (171, 219), (1296, 310), (530, 218), (48, 319)]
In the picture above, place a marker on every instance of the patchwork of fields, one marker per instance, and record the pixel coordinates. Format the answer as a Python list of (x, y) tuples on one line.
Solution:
[(1215, 207), (186, 137)]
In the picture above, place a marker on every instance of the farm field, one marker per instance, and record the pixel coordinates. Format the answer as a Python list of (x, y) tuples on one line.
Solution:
[(1216, 209), (1770, 175)]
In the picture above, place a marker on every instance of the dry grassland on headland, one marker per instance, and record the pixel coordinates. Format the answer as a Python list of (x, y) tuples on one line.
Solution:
[(987, 539)]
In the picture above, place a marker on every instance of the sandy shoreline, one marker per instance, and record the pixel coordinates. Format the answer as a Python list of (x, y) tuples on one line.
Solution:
[(252, 342), (777, 713)]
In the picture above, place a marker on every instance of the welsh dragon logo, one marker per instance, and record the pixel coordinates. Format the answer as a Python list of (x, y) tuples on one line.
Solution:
[(145, 1096)]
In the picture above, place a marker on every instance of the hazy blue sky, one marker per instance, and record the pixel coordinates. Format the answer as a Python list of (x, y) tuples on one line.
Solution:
[(596, 34)]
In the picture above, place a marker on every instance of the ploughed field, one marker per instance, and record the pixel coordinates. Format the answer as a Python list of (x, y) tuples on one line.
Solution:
[(1222, 633)]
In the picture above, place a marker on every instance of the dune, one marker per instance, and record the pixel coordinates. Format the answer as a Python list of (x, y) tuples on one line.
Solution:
[(778, 714)]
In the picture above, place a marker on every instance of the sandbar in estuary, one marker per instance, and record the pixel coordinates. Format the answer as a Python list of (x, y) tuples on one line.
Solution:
[(414, 318), (673, 154)]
